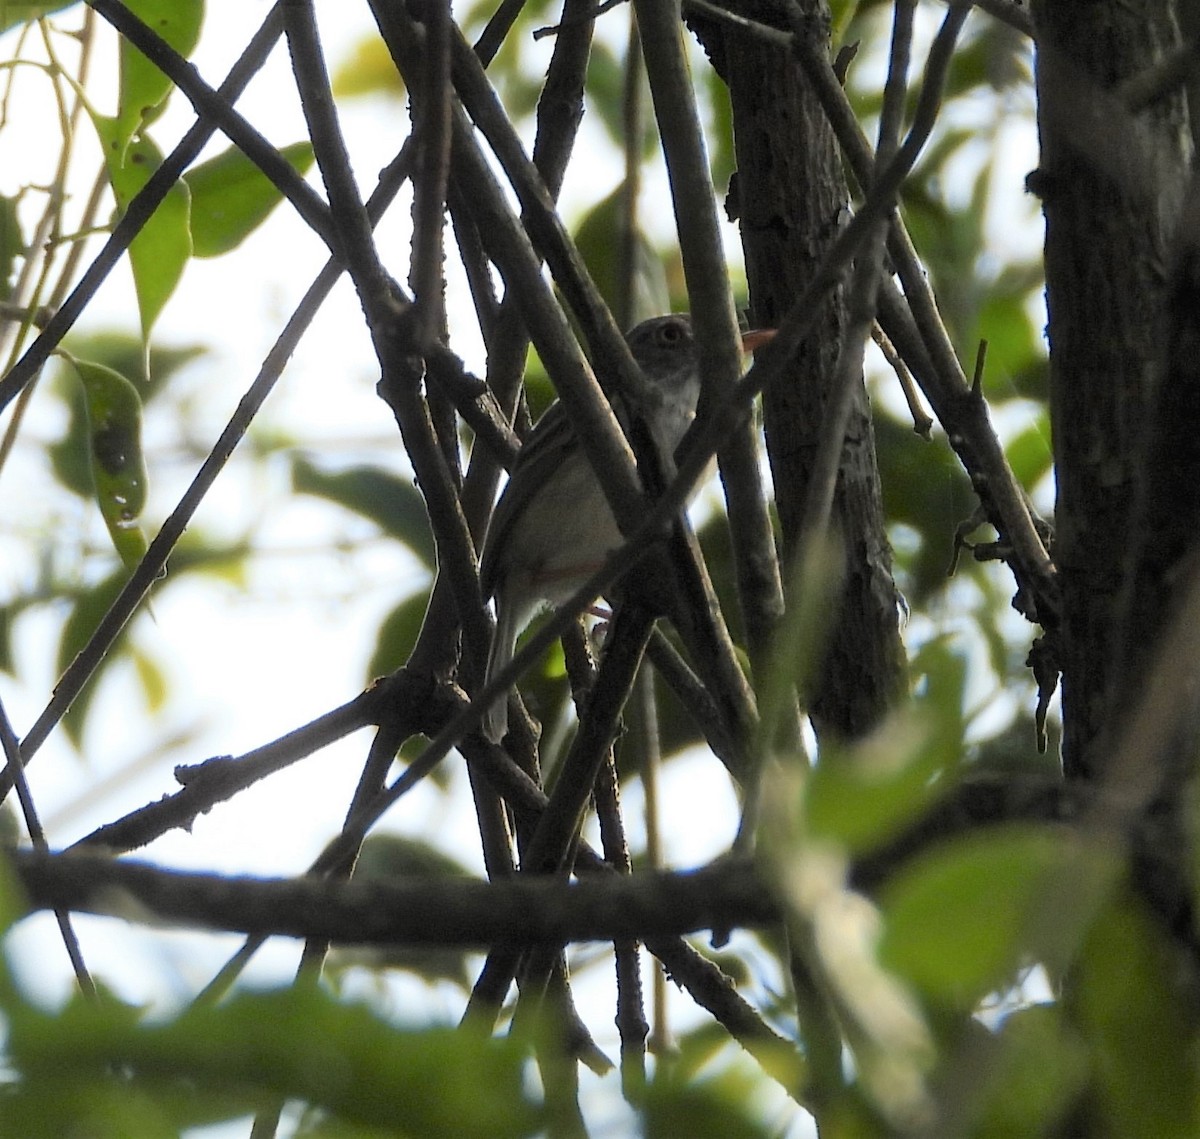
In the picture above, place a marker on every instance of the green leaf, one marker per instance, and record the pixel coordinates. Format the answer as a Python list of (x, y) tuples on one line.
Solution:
[(605, 96), (89, 607), (163, 245), (964, 917), (298, 1044), (14, 12), (122, 352), (1125, 999), (152, 677), (861, 796), (1031, 1070), (397, 636), (114, 412), (197, 552), (12, 243), (924, 488), (231, 197), (386, 857), (367, 70), (599, 240), (392, 503), (48, 1105), (677, 1105), (1030, 454), (144, 89), (7, 613), (13, 905)]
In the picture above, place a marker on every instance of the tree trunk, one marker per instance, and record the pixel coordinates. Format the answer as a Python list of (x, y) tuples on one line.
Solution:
[(1111, 185), (790, 196)]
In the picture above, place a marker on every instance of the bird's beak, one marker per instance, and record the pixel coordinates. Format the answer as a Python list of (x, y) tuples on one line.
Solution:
[(756, 338)]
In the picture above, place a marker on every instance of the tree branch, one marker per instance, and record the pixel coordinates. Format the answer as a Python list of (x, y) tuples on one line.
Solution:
[(443, 912)]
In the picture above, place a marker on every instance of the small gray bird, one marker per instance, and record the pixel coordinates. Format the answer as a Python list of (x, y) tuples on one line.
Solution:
[(552, 527)]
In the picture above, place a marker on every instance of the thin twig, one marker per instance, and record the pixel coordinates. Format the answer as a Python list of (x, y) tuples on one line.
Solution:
[(861, 305), (1014, 13), (922, 422), (351, 237), (144, 203), (212, 782), (559, 111), (589, 15), (217, 108), (557, 829), (631, 1006), (744, 24), (498, 27), (647, 739), (509, 246), (613, 361), (632, 130), (12, 755)]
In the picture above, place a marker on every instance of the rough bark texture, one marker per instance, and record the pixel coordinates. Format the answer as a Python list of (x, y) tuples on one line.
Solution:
[(790, 196), (1122, 290), (1111, 185)]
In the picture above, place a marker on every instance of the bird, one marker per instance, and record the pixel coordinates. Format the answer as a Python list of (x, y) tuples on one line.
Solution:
[(552, 527)]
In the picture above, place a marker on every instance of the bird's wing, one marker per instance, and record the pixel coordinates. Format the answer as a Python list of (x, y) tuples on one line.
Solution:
[(542, 454)]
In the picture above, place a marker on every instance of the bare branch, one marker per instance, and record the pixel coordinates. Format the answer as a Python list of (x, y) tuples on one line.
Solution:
[(443, 911), (12, 753), (432, 109)]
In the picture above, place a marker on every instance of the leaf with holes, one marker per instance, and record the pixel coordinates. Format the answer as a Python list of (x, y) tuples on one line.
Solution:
[(144, 88), (114, 411)]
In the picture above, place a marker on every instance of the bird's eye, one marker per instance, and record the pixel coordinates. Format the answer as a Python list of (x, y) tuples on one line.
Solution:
[(672, 332)]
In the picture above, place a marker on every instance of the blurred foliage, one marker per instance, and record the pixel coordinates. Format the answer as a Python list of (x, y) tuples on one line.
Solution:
[(393, 504), (12, 246), (603, 256), (97, 1067)]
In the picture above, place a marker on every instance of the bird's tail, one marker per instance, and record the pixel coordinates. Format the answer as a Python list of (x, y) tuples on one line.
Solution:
[(495, 720)]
